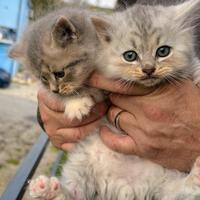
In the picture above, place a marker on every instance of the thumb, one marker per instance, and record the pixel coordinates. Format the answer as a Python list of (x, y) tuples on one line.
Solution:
[(117, 142)]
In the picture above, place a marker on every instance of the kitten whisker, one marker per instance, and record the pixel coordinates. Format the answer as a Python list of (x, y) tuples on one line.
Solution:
[(177, 78), (170, 80), (127, 83)]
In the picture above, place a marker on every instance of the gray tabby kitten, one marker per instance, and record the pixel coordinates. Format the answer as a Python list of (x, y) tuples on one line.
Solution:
[(60, 49), (151, 45)]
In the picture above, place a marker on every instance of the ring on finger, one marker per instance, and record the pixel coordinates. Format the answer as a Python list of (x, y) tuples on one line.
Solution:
[(117, 120)]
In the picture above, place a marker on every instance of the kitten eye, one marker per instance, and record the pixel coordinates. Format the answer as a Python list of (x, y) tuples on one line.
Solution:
[(163, 51), (130, 56), (59, 74)]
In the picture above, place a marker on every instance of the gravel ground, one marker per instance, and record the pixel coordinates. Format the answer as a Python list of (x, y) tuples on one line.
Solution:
[(19, 130)]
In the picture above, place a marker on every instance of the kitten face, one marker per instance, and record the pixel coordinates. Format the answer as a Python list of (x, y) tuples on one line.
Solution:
[(60, 49), (65, 70), (65, 77), (151, 44)]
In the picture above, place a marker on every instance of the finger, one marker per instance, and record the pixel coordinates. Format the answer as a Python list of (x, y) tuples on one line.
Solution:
[(67, 146), (120, 143), (50, 100), (128, 103), (52, 118), (131, 125), (126, 120), (115, 86), (74, 135)]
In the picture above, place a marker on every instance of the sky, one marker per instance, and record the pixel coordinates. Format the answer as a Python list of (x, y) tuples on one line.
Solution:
[(101, 3)]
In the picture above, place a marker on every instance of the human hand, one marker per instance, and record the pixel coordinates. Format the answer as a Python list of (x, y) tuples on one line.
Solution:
[(62, 132), (162, 126)]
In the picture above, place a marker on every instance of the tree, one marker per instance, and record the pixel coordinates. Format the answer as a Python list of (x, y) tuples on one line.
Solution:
[(41, 7)]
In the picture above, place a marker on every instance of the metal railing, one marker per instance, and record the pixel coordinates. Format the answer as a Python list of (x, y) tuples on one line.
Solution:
[(17, 186)]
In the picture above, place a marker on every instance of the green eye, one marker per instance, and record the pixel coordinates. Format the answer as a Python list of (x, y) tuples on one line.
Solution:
[(130, 56), (163, 51), (59, 74)]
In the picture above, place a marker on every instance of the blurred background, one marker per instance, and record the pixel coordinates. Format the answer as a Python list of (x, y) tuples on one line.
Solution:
[(18, 89)]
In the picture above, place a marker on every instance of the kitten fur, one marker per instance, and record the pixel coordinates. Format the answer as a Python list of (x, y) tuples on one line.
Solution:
[(93, 171), (147, 29), (60, 50)]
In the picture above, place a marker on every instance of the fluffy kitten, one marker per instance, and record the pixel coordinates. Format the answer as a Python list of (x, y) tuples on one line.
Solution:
[(60, 49), (158, 45), (151, 44)]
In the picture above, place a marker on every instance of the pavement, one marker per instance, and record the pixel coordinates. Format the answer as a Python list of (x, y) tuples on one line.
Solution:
[(18, 131), (17, 109)]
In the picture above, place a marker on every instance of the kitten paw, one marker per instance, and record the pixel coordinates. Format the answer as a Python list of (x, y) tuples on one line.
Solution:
[(79, 107), (44, 188)]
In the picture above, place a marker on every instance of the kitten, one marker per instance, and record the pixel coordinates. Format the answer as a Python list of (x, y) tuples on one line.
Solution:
[(158, 45), (151, 45), (60, 49)]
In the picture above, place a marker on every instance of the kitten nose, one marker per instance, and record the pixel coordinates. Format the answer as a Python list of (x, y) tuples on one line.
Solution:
[(149, 70)]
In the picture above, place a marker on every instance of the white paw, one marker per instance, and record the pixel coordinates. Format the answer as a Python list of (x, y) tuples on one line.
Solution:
[(44, 188), (78, 107)]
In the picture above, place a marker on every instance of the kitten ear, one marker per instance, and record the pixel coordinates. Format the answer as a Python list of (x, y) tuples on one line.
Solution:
[(103, 28), (187, 9), (16, 51), (63, 32)]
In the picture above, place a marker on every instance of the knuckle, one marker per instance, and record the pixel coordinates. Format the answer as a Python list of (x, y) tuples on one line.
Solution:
[(111, 113), (78, 134)]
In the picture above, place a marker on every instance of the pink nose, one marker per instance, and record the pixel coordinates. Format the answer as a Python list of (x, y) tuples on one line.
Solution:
[(149, 71)]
